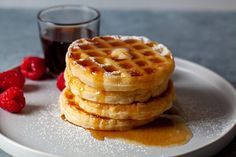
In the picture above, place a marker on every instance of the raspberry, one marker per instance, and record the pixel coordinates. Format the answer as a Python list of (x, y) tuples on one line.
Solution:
[(61, 81), (33, 67), (12, 100), (11, 78)]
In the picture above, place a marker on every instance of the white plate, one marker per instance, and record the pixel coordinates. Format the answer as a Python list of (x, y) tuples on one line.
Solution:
[(207, 100)]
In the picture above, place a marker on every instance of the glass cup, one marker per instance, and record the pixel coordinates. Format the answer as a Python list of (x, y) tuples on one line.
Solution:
[(61, 25)]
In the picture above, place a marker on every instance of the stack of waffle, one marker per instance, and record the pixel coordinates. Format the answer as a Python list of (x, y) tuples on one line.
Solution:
[(116, 82)]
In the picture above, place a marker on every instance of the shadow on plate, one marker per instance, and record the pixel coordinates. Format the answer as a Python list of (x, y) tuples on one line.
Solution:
[(31, 88), (30, 109)]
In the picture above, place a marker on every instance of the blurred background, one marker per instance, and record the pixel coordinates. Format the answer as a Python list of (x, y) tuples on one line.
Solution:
[(195, 30), (200, 5)]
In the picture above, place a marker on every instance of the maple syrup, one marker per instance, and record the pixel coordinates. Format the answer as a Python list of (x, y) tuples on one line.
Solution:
[(167, 130), (55, 43)]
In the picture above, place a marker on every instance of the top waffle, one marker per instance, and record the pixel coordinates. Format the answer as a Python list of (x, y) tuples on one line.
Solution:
[(120, 63)]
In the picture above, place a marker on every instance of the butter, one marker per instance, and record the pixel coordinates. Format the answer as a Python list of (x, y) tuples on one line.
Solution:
[(121, 53)]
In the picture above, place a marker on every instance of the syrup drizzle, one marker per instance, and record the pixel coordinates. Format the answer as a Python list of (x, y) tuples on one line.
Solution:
[(100, 96), (168, 130)]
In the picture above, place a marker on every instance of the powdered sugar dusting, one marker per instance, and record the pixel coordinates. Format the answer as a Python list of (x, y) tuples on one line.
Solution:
[(157, 47), (207, 112), (162, 49), (46, 126), (125, 37)]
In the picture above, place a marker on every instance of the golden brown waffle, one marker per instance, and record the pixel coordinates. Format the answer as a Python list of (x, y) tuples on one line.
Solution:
[(74, 114), (120, 63), (84, 91), (136, 111)]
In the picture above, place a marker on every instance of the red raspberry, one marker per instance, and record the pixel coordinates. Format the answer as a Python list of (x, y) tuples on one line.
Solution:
[(11, 78), (33, 67), (61, 81), (12, 100)]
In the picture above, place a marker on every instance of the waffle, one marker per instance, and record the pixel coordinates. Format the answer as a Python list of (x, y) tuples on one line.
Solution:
[(84, 91), (120, 63), (74, 114), (136, 111), (116, 82)]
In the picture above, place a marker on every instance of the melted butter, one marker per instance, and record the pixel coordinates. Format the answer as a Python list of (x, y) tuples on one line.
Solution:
[(167, 130), (121, 53)]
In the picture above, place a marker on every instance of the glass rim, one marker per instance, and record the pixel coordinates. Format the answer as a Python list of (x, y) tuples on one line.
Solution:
[(97, 17)]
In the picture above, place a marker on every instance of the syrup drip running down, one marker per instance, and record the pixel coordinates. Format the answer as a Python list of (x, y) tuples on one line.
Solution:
[(168, 130)]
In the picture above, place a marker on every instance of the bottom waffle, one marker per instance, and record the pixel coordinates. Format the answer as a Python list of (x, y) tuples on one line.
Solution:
[(136, 111), (74, 114)]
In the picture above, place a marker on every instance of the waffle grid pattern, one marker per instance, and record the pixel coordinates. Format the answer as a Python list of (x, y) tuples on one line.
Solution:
[(96, 55)]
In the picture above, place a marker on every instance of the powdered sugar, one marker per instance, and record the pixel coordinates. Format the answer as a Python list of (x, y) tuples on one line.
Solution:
[(157, 47), (207, 112), (126, 37), (162, 49)]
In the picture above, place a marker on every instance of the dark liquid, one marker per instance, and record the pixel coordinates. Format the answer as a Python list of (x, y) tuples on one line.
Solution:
[(55, 43)]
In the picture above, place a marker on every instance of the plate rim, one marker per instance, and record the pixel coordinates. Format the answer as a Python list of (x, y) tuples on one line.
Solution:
[(230, 130)]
